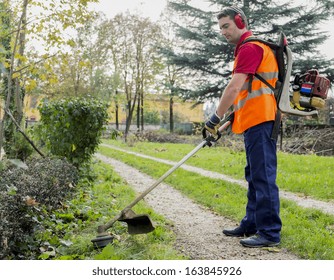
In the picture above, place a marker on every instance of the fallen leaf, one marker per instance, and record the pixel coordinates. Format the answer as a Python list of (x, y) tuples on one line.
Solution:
[(272, 249), (30, 201)]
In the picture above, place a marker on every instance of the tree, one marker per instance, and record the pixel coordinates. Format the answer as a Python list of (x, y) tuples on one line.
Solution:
[(205, 56), (13, 92), (131, 43), (83, 70), (172, 74), (146, 36), (21, 24)]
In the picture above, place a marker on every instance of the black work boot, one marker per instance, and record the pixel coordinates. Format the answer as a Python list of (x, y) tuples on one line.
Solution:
[(258, 241), (238, 232)]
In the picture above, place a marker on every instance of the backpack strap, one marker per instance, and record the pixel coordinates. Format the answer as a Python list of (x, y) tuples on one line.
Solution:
[(278, 116), (265, 82), (278, 49), (270, 44)]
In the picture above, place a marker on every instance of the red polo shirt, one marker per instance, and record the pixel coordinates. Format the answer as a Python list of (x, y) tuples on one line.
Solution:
[(249, 56)]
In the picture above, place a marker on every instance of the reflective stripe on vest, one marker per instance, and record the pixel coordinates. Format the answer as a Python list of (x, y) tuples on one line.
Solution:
[(257, 105), (255, 93)]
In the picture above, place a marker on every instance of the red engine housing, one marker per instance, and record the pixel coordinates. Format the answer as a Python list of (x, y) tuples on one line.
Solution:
[(319, 84)]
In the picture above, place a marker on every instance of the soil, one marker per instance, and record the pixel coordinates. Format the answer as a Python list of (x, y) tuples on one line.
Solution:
[(198, 230)]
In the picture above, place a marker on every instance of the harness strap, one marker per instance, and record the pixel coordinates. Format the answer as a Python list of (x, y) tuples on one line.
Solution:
[(278, 116), (277, 125), (264, 81)]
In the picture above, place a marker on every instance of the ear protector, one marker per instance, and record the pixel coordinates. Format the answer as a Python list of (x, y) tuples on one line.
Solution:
[(239, 22), (238, 18)]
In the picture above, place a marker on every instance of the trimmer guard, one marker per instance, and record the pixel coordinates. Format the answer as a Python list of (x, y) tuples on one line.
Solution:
[(137, 224)]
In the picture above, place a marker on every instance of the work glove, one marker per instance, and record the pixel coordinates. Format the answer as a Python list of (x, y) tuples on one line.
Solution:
[(213, 124)]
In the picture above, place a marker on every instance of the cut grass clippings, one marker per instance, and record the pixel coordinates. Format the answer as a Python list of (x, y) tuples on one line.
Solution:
[(307, 233), (308, 175)]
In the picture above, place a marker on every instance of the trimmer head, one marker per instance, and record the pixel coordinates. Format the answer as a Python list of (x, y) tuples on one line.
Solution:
[(102, 241), (137, 224), (103, 238)]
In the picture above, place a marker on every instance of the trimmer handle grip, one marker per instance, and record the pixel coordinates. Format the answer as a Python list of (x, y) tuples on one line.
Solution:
[(211, 138)]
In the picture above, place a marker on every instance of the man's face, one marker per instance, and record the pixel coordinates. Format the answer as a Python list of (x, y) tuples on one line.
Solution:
[(229, 30)]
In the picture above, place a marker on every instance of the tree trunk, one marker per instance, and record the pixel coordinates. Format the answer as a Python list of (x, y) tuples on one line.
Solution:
[(138, 113), (5, 19), (12, 86), (116, 111), (171, 114), (20, 92), (130, 109), (142, 106)]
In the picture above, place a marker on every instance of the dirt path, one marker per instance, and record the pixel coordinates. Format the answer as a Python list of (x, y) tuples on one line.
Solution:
[(198, 230), (306, 202)]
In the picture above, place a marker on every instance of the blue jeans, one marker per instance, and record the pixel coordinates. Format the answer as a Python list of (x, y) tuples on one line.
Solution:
[(262, 210)]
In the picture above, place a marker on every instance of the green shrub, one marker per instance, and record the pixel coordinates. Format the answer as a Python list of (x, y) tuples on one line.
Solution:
[(72, 128), (151, 117), (18, 147), (26, 197)]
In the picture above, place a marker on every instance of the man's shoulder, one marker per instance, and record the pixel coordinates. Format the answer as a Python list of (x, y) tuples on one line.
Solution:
[(250, 48), (254, 42)]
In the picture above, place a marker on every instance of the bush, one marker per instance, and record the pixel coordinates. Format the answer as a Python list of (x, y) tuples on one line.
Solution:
[(151, 117), (18, 147), (72, 128), (26, 197)]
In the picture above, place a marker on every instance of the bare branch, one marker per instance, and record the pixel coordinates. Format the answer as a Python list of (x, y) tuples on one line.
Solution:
[(8, 112)]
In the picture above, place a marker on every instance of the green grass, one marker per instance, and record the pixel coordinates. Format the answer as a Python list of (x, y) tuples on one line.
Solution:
[(308, 175), (101, 202), (306, 232)]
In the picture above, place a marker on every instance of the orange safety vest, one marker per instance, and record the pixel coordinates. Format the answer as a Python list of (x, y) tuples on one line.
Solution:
[(256, 102)]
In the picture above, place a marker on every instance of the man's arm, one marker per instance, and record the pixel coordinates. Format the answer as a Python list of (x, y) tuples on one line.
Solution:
[(230, 93), (226, 101)]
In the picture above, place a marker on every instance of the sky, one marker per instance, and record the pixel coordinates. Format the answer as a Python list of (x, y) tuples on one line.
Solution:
[(153, 8)]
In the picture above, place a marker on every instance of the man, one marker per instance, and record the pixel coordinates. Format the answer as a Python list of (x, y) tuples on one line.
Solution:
[(254, 114)]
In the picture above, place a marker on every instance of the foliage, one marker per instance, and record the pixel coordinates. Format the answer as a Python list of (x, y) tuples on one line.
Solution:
[(101, 202), (130, 43), (66, 232), (206, 56), (151, 117), (27, 196), (72, 128), (80, 71), (19, 148), (177, 117), (22, 24)]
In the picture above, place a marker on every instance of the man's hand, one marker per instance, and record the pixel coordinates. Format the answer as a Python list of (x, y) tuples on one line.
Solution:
[(212, 124)]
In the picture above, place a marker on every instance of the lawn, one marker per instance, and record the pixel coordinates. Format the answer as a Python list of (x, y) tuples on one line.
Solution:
[(308, 175), (306, 232)]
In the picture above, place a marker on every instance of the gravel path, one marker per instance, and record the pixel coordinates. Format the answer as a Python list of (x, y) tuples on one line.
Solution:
[(198, 230)]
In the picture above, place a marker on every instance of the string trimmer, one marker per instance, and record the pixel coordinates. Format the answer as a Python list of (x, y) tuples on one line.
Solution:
[(138, 224)]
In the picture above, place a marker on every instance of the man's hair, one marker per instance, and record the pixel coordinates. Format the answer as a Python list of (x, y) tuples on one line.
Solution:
[(232, 12)]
